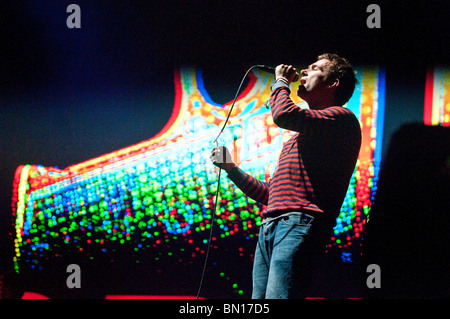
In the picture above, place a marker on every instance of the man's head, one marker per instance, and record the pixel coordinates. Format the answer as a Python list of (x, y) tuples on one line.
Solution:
[(329, 81)]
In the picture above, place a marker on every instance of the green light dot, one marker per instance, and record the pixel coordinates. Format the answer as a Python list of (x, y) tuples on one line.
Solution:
[(143, 178)]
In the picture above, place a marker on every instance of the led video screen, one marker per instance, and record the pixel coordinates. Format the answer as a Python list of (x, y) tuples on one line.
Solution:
[(437, 97), (149, 206)]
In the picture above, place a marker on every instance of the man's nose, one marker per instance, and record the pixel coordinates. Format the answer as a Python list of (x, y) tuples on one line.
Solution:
[(304, 72)]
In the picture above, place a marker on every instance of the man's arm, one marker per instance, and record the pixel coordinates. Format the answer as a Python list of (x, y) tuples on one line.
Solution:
[(250, 186), (289, 116)]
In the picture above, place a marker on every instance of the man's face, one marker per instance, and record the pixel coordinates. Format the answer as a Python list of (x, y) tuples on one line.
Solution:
[(313, 80)]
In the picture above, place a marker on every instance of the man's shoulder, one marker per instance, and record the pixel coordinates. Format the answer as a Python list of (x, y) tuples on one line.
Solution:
[(341, 111)]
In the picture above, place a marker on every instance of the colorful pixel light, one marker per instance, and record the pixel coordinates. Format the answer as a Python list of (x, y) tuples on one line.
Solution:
[(437, 97)]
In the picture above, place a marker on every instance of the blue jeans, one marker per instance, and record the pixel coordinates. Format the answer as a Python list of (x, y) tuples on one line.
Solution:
[(286, 254)]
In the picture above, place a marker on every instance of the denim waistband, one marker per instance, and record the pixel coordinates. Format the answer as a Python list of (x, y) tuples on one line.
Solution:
[(273, 218)]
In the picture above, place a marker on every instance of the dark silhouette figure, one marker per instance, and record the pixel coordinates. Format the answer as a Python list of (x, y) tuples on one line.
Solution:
[(408, 229)]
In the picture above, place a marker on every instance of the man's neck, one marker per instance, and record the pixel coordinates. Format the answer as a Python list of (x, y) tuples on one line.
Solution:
[(321, 106)]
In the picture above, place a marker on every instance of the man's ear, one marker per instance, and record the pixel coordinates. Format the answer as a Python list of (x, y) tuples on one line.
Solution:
[(334, 83)]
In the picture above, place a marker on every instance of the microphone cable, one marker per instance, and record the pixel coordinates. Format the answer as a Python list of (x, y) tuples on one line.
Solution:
[(234, 101), (218, 181)]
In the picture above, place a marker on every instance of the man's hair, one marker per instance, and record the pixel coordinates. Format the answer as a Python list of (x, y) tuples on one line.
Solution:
[(342, 70)]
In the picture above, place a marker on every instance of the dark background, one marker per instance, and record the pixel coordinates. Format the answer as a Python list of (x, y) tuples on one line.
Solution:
[(69, 95)]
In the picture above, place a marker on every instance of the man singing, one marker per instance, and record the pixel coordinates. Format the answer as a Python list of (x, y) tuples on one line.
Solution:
[(307, 189)]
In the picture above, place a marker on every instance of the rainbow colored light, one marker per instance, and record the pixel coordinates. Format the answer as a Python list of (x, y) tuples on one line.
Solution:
[(161, 190), (437, 97)]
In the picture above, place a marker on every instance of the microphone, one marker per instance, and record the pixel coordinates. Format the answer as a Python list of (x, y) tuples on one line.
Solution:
[(270, 69)]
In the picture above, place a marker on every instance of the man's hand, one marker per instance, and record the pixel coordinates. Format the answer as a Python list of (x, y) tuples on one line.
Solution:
[(286, 72), (221, 157)]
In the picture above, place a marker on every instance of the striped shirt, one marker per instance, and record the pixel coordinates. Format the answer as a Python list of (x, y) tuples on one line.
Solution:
[(315, 165)]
